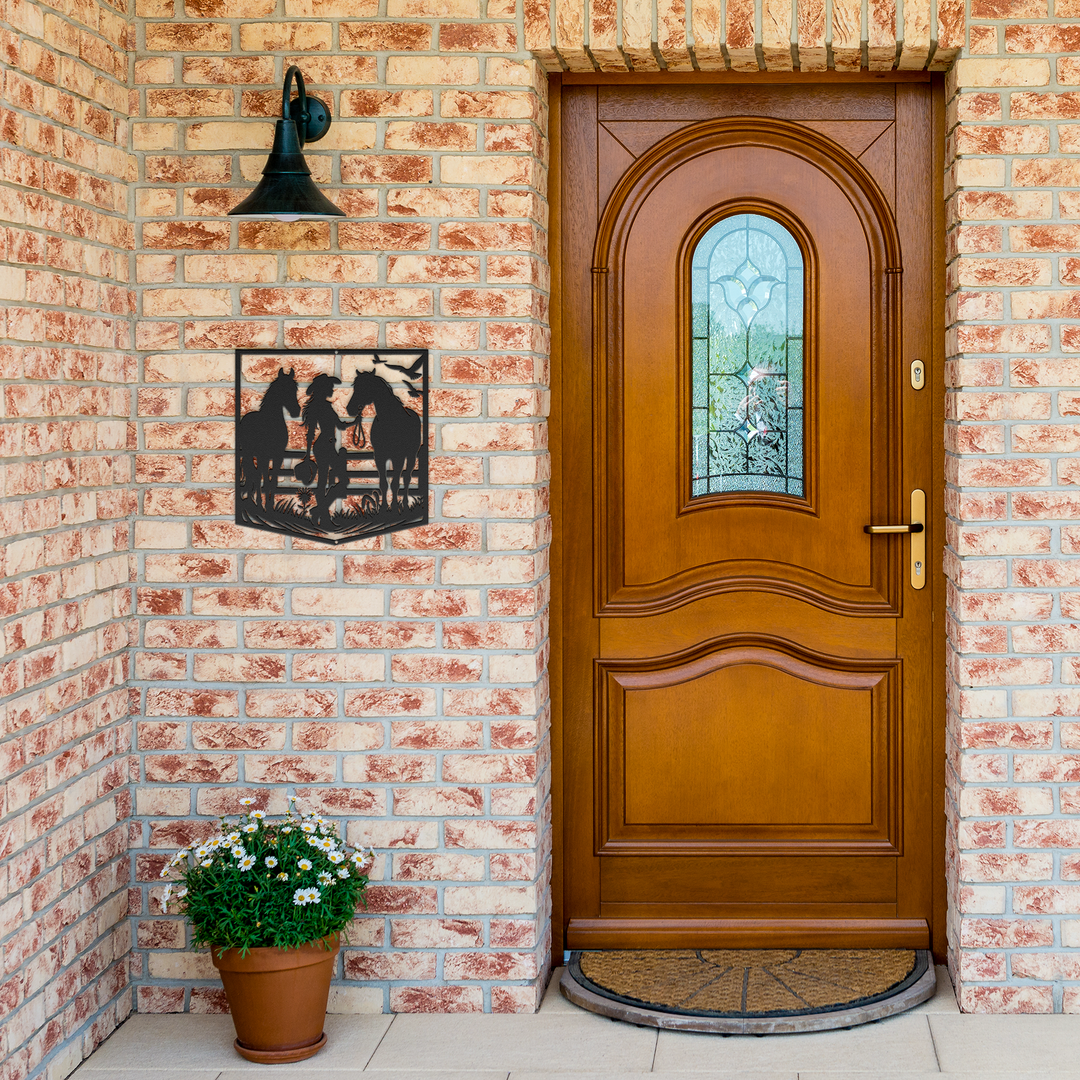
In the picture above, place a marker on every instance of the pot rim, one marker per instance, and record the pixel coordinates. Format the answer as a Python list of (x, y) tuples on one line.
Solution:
[(272, 958)]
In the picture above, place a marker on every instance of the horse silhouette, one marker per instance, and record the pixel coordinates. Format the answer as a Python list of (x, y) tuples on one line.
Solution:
[(396, 434), (262, 437)]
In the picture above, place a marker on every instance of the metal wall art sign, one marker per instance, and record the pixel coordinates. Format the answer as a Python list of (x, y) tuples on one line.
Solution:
[(332, 445)]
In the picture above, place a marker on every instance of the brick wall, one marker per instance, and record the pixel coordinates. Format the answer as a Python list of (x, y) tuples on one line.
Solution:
[(66, 372), (397, 684), (400, 684), (1012, 434)]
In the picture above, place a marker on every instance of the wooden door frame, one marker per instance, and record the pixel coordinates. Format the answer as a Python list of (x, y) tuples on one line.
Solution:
[(936, 501)]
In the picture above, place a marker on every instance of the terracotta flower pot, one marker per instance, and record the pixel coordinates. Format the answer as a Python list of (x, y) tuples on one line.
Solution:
[(278, 999)]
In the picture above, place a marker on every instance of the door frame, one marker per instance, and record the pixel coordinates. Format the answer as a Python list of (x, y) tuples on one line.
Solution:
[(936, 500)]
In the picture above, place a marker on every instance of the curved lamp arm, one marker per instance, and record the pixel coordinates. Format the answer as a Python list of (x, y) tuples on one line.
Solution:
[(286, 103)]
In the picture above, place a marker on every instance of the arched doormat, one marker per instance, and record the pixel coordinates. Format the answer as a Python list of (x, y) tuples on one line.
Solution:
[(749, 991)]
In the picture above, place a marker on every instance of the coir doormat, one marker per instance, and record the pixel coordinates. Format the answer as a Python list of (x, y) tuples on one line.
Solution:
[(750, 990)]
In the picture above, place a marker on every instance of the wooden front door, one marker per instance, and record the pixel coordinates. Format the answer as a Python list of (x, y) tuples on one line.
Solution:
[(749, 677)]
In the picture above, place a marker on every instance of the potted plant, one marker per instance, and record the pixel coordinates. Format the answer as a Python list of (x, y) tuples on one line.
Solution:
[(271, 899)]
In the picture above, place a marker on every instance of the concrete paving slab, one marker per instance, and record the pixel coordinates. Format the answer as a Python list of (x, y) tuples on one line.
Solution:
[(831, 1074), (876, 1075), (206, 1043), (553, 1001), (982, 1044), (900, 1044), (721, 1075), (357, 1074), (147, 1073), (552, 1044), (944, 999)]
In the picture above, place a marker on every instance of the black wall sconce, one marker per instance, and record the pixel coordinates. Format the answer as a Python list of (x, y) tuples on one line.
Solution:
[(286, 191)]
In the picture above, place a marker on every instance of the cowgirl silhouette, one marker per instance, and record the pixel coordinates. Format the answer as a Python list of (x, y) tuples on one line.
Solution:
[(331, 462)]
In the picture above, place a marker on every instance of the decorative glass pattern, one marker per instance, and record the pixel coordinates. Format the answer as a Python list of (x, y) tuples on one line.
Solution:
[(747, 297)]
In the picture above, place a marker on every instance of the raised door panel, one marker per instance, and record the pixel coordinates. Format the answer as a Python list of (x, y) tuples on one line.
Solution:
[(769, 748), (854, 101)]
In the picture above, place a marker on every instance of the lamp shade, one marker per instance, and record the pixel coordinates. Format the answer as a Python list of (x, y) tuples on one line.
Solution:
[(286, 191)]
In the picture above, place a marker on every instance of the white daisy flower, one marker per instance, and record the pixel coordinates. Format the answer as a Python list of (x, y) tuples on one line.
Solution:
[(287, 829), (304, 864), (247, 802), (201, 851), (336, 857), (247, 862), (343, 872), (207, 862), (251, 826), (181, 893), (258, 815), (309, 827), (270, 861), (238, 851), (325, 879), (232, 837), (283, 876), (165, 897), (325, 843), (306, 896)]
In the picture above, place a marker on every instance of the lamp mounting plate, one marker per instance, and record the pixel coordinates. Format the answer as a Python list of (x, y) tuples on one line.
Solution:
[(318, 121)]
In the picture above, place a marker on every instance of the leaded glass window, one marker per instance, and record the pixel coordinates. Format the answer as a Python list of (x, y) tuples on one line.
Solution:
[(747, 297)]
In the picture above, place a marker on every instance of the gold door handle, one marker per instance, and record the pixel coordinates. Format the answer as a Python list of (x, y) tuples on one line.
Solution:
[(917, 529)]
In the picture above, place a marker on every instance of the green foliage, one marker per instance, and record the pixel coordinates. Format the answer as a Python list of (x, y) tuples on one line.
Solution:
[(260, 883)]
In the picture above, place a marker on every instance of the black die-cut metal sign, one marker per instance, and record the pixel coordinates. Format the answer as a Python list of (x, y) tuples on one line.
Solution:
[(332, 445)]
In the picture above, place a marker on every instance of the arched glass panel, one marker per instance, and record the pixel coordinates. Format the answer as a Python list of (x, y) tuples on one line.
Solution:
[(747, 330)]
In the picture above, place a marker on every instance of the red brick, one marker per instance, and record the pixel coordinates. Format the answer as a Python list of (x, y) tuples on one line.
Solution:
[(436, 999), (385, 965), (238, 736), (339, 735), (291, 703), (385, 37), (437, 802), (389, 768), (435, 933), (350, 801), (401, 900), (1057, 767), (191, 768), (384, 702), (425, 867), (170, 702), (286, 769)]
